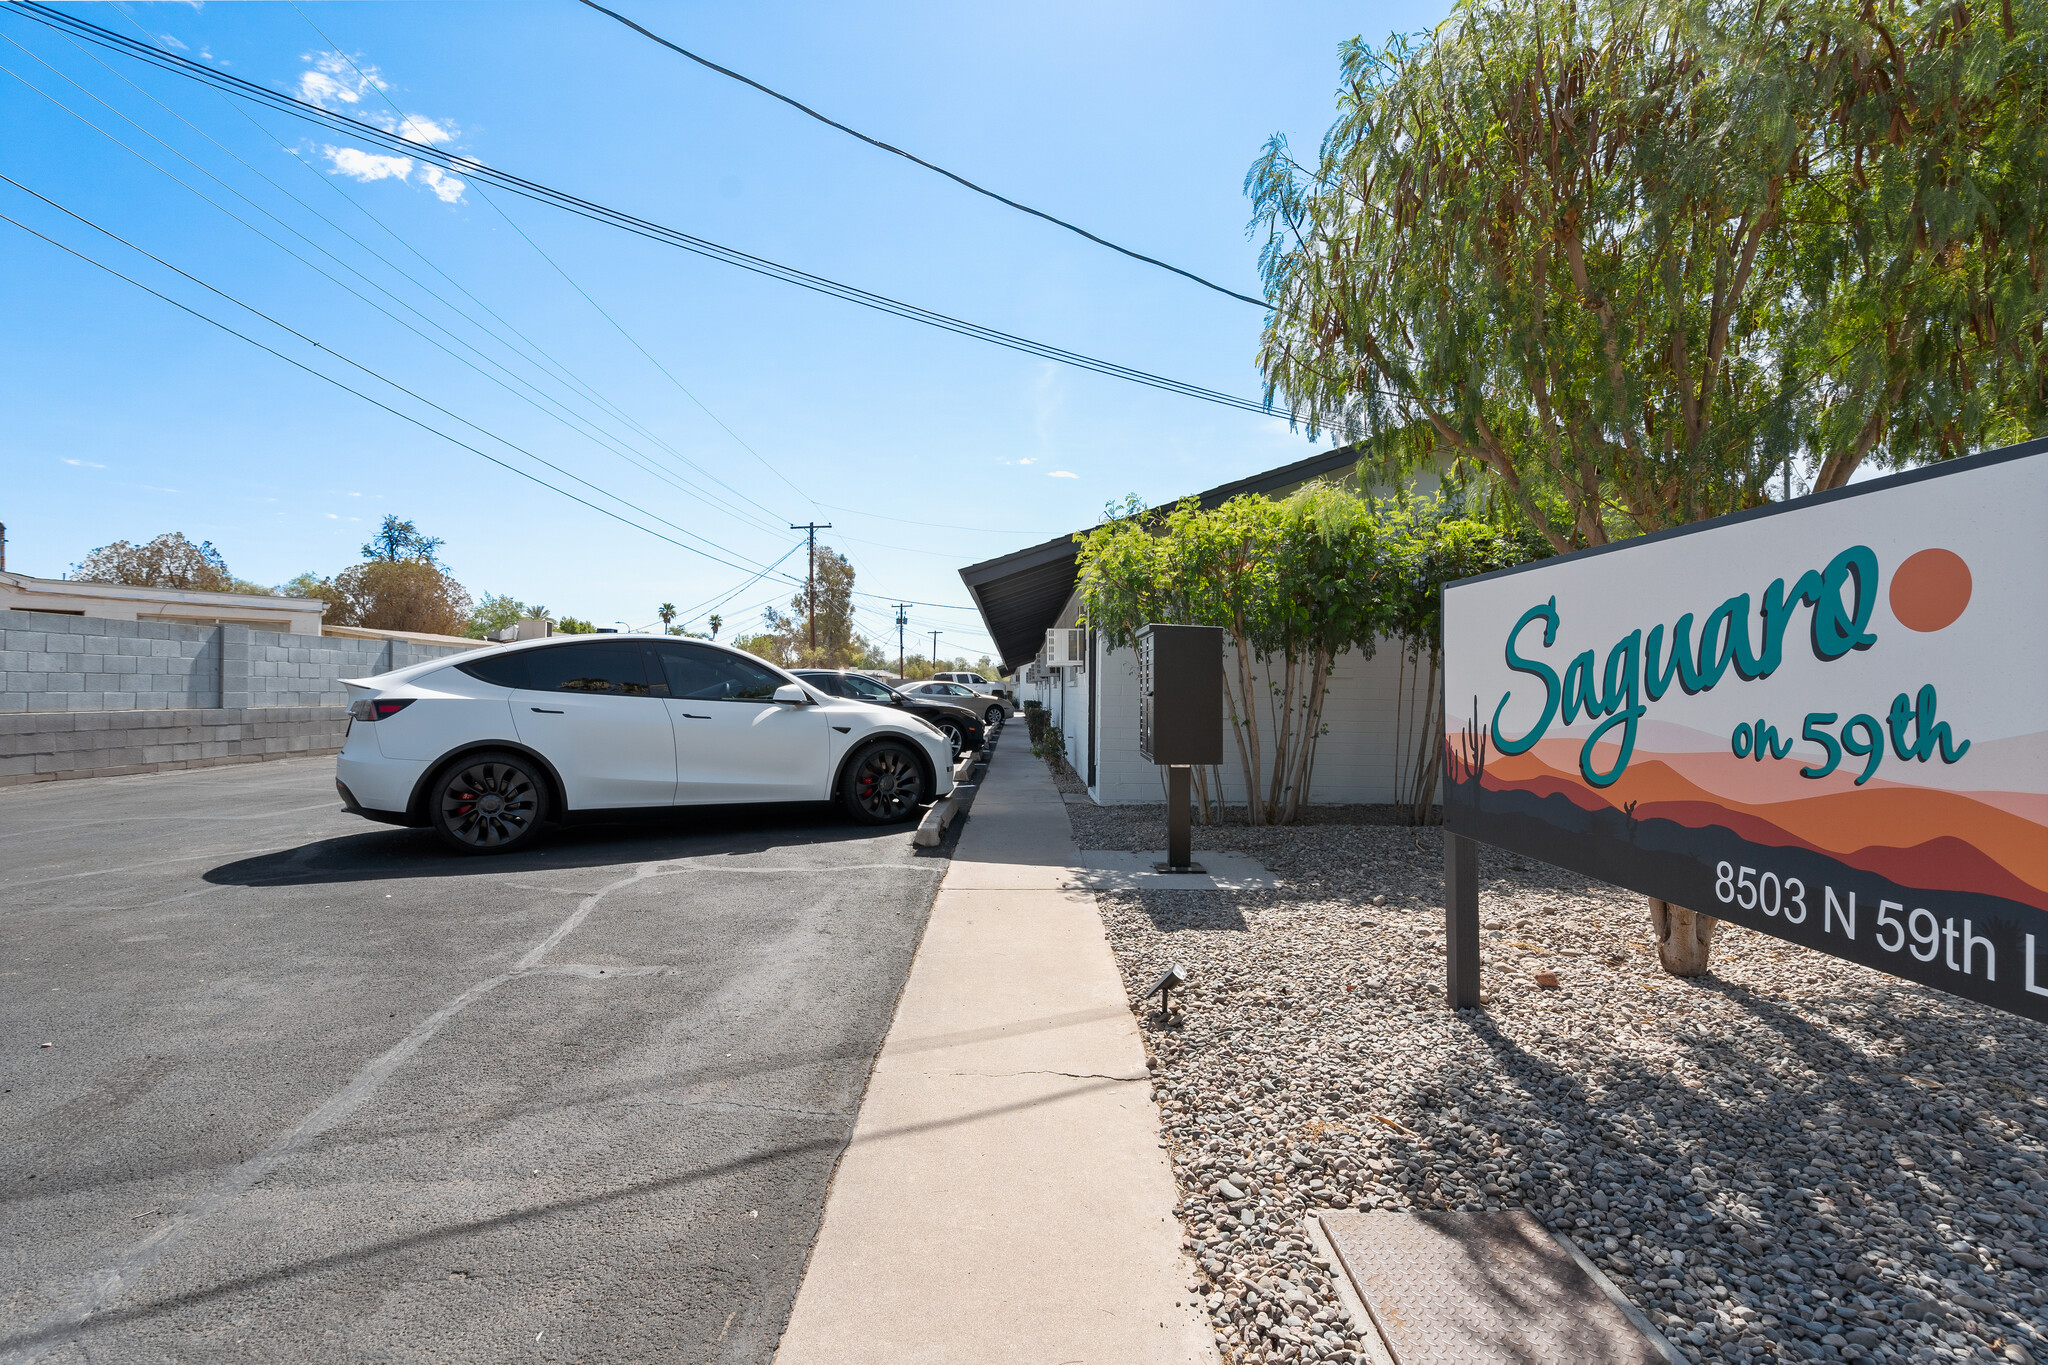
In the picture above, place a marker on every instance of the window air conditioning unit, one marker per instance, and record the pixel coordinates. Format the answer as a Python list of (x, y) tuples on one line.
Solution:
[(1066, 647)]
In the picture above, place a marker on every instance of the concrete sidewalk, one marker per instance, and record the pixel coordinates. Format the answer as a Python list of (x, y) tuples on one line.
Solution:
[(1005, 1196)]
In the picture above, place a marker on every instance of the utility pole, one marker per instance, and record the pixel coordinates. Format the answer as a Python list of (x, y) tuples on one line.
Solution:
[(935, 651), (813, 528), (902, 620)]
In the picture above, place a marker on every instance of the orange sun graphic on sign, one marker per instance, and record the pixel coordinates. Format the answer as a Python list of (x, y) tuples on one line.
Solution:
[(1930, 590)]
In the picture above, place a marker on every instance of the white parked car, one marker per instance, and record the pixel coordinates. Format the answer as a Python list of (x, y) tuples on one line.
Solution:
[(488, 747), (949, 687)]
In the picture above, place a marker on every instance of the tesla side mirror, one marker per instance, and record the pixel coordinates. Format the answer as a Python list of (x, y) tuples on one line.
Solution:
[(792, 693)]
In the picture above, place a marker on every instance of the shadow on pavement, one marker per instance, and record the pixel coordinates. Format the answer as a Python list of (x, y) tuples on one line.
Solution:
[(386, 853)]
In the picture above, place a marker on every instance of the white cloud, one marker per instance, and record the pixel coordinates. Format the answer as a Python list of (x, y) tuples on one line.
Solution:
[(419, 128), (168, 41), (358, 164), (445, 186), (82, 464), (1062, 474), (1029, 459), (335, 80)]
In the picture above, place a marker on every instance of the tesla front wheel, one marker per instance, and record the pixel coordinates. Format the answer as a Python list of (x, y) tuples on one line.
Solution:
[(488, 803), (883, 785)]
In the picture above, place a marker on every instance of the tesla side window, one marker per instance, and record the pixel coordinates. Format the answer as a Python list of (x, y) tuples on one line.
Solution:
[(696, 674), (603, 668), (867, 689), (825, 682)]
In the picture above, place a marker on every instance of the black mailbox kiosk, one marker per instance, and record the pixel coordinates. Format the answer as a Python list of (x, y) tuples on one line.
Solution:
[(1180, 718)]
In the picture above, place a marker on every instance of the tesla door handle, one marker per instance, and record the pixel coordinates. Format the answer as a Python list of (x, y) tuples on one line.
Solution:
[(688, 716), (544, 711)]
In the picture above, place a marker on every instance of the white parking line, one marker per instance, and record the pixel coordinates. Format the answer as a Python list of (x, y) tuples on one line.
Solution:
[(102, 1287)]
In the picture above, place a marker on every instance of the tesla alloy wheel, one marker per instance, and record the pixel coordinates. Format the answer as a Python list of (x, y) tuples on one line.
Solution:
[(488, 803), (883, 785), (955, 733)]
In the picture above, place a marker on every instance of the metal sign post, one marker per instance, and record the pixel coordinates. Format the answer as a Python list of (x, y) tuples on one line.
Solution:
[(1180, 720), (1461, 921), (1180, 834)]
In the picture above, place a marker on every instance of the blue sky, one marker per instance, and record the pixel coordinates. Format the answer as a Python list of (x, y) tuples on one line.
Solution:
[(927, 451)]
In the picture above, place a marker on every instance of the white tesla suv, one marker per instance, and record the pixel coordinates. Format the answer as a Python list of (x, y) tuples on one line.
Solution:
[(489, 746)]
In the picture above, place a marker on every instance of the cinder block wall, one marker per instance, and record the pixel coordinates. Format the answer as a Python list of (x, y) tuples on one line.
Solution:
[(81, 696)]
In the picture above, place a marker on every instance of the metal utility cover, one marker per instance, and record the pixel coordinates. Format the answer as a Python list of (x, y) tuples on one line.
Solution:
[(1479, 1288)]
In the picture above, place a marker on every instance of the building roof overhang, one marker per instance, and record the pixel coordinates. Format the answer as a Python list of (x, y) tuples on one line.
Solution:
[(1020, 595)]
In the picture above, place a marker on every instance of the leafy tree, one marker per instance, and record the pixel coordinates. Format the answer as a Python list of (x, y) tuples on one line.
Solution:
[(786, 638), (396, 540), (243, 585), (312, 585), (495, 613), (1294, 584), (169, 561), (1633, 260), (1428, 544), (403, 594), (574, 625)]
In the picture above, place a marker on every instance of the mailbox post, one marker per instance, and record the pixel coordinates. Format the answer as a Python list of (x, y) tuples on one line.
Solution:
[(1180, 719)]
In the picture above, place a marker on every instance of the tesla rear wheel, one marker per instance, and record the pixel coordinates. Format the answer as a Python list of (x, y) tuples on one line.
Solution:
[(994, 716), (883, 785), (488, 803)]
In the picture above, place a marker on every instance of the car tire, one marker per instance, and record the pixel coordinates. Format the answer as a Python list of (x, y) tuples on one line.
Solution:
[(883, 785), (490, 802), (994, 716), (955, 733)]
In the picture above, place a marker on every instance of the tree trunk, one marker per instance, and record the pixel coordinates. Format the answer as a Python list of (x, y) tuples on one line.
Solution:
[(1684, 938)]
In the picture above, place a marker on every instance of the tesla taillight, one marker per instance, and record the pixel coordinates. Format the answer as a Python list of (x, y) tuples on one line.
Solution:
[(379, 710)]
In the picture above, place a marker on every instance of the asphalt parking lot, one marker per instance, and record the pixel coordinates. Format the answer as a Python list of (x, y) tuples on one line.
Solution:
[(284, 1085)]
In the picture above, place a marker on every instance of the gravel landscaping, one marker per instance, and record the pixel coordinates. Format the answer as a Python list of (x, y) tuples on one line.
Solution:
[(1793, 1158)]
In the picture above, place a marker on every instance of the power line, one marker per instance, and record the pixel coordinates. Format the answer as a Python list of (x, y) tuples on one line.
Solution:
[(624, 221), (602, 312), (317, 374), (941, 170), (934, 525), (577, 387), (589, 430)]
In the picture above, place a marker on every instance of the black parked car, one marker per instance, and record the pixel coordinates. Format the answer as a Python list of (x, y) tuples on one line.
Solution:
[(961, 722)]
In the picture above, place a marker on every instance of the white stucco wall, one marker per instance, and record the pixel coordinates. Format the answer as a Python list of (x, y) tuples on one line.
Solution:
[(1355, 762)]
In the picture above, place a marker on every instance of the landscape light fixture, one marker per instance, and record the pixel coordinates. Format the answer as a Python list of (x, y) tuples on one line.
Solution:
[(1175, 977)]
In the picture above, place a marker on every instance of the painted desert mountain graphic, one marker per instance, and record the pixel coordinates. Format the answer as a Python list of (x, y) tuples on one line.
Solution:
[(1988, 843)]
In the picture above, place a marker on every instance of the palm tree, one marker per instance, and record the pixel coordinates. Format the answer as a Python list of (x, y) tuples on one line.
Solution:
[(667, 612), (715, 622)]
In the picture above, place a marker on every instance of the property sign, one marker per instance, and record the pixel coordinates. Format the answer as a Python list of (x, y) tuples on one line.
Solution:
[(1825, 719)]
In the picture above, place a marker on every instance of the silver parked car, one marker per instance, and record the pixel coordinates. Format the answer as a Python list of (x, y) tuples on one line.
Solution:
[(942, 688)]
